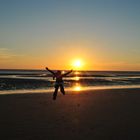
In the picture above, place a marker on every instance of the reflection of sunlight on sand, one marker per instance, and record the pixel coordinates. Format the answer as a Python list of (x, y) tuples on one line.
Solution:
[(77, 87)]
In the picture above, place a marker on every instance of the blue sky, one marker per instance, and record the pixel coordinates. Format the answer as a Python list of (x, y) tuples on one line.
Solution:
[(104, 33)]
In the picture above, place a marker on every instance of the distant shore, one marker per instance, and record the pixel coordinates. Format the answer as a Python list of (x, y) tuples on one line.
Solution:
[(107, 114)]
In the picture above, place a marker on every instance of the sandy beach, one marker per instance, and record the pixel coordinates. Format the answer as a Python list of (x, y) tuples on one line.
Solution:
[(111, 114)]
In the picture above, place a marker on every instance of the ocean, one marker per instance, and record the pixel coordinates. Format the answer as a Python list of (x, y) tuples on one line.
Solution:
[(25, 81)]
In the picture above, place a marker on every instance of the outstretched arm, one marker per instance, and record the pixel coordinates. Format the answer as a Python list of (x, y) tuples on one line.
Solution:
[(50, 70), (67, 73)]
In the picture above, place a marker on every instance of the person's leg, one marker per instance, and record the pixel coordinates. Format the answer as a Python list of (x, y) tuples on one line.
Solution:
[(55, 92), (62, 89)]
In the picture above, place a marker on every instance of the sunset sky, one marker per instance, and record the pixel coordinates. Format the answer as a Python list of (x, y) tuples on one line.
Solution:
[(102, 34)]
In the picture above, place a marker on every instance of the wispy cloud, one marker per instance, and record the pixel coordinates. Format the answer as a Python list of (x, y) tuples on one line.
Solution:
[(7, 55)]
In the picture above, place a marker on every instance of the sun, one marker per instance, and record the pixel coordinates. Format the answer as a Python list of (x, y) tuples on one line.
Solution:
[(77, 64)]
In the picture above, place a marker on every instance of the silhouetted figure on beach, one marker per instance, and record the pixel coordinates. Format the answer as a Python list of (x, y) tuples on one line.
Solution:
[(59, 81)]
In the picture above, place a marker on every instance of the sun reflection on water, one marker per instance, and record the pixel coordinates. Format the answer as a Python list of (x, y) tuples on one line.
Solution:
[(76, 72), (77, 78)]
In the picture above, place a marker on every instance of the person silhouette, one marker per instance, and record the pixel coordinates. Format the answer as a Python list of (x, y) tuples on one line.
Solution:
[(59, 81)]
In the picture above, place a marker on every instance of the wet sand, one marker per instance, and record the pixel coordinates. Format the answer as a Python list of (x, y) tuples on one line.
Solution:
[(111, 114)]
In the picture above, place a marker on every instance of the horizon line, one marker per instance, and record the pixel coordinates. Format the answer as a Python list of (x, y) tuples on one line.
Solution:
[(69, 69)]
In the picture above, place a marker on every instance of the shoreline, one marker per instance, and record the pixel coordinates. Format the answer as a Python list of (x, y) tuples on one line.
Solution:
[(74, 89)]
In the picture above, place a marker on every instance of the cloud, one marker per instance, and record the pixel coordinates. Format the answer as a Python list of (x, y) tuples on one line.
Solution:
[(7, 55)]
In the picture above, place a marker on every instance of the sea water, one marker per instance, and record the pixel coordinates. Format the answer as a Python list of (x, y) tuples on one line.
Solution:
[(25, 81)]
